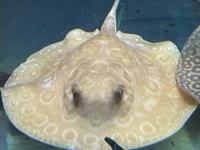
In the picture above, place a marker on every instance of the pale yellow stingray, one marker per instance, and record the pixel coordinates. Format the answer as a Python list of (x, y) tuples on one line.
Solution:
[(98, 84)]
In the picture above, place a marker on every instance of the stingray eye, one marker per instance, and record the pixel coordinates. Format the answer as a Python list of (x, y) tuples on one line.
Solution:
[(76, 97), (117, 96)]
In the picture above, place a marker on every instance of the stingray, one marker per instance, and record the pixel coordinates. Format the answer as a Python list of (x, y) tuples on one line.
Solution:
[(104, 84)]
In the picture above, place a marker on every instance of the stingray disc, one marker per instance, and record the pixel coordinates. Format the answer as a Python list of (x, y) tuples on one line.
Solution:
[(92, 85), (188, 70)]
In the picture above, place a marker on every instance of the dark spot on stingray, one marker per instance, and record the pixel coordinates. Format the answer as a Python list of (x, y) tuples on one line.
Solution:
[(117, 96), (197, 93), (196, 59), (196, 86), (196, 69), (76, 97)]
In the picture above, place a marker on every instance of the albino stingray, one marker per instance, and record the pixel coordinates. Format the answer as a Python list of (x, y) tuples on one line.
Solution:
[(92, 85)]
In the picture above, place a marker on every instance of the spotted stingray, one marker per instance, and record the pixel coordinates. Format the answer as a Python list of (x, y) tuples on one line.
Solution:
[(92, 85)]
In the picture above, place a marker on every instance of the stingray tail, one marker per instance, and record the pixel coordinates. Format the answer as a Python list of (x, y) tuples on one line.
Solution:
[(113, 144), (109, 25)]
